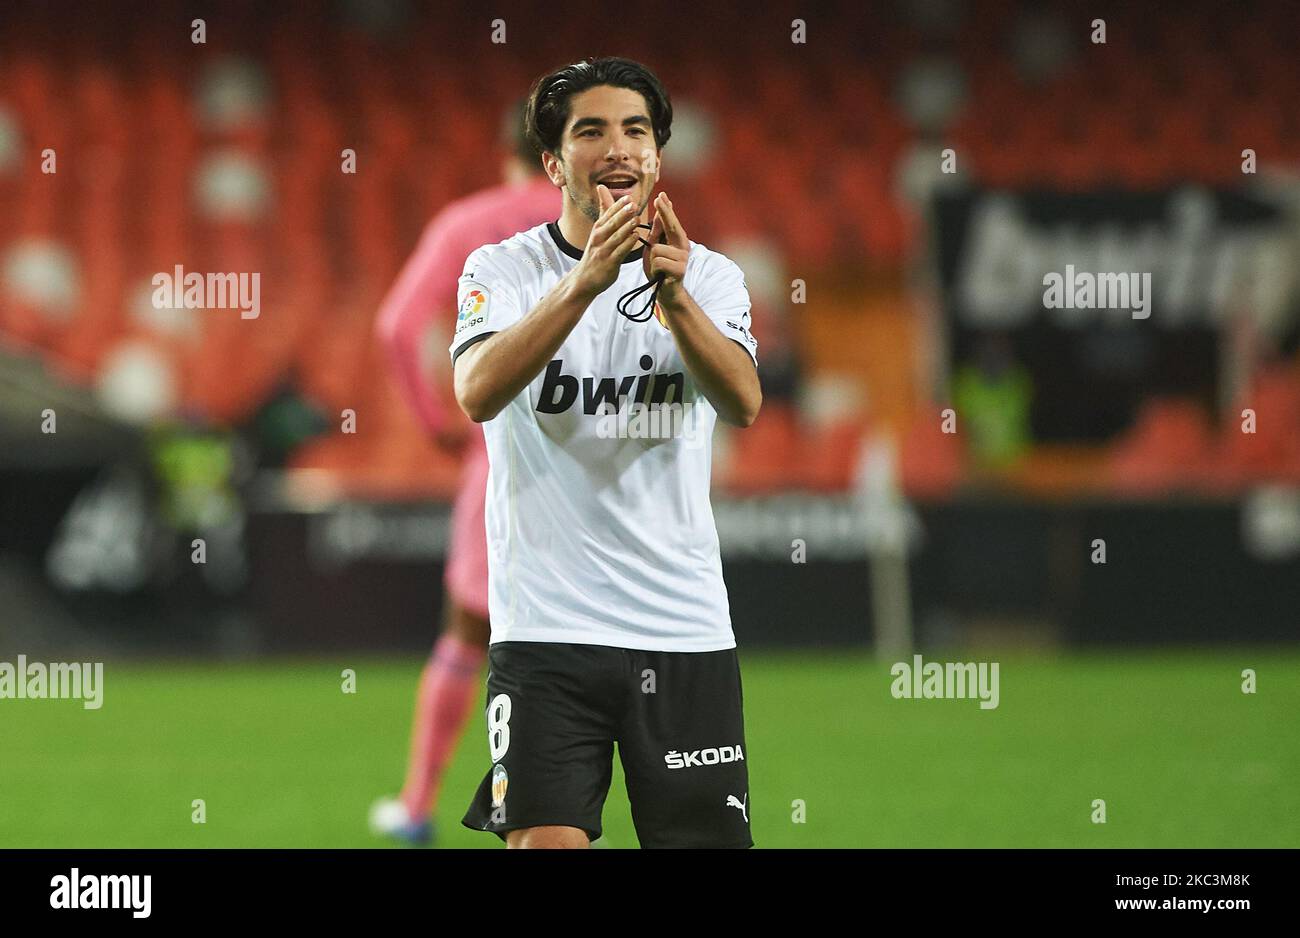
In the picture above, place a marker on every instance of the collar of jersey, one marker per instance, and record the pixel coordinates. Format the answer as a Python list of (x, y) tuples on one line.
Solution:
[(575, 253)]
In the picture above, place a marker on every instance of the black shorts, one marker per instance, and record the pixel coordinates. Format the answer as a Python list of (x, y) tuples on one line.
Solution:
[(555, 711)]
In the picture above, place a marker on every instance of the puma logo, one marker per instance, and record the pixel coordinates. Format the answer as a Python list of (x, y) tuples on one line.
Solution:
[(734, 802)]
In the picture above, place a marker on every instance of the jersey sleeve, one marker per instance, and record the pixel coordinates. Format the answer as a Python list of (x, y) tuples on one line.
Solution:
[(487, 299), (723, 296)]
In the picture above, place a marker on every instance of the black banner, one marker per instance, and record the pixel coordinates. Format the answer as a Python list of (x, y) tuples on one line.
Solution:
[(1095, 301), (1230, 888)]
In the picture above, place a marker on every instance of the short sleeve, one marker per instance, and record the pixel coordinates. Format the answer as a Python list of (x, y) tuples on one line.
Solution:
[(723, 296), (487, 300)]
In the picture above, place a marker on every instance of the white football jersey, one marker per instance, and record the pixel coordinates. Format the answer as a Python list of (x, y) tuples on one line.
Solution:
[(599, 526)]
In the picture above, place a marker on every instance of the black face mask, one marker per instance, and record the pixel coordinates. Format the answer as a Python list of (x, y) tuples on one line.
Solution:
[(626, 300)]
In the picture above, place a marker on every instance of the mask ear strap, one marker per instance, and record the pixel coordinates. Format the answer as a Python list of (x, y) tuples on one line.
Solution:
[(647, 310)]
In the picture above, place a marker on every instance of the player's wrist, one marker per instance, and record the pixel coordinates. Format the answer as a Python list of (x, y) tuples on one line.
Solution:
[(672, 297), (583, 286)]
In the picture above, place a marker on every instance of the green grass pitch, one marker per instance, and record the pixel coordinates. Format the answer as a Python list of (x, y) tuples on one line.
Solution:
[(283, 758)]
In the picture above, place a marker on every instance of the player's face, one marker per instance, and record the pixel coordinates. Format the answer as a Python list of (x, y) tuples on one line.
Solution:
[(608, 140)]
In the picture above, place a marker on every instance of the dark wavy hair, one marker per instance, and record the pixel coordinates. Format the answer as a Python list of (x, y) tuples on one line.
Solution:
[(548, 102)]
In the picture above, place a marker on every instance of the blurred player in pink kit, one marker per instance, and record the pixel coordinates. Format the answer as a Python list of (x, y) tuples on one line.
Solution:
[(418, 315)]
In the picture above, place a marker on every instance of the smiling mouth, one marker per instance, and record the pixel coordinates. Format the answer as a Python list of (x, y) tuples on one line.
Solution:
[(619, 186)]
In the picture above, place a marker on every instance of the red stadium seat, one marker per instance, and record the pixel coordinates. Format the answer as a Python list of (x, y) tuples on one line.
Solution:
[(1166, 450), (1271, 453), (807, 155), (931, 462), (829, 457), (765, 456)]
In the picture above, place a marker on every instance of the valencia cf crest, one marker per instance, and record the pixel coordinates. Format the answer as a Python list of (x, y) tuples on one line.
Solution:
[(500, 781)]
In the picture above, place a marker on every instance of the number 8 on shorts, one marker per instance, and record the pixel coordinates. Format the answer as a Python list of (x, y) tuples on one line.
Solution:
[(499, 726)]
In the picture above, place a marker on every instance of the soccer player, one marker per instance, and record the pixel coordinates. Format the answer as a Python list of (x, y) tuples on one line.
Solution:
[(422, 302), (609, 615)]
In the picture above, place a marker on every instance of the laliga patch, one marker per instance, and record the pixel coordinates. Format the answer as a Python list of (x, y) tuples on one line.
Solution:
[(500, 780), (473, 308)]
